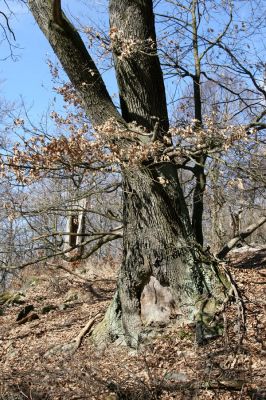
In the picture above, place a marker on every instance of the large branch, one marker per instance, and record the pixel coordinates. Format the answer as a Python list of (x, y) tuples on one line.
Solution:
[(138, 70), (242, 235), (75, 59)]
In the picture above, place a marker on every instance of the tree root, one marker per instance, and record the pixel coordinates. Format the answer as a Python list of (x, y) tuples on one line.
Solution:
[(241, 321), (75, 343), (68, 270), (206, 327)]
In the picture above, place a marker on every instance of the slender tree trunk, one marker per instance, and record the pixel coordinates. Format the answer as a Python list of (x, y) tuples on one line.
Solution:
[(198, 198), (199, 168)]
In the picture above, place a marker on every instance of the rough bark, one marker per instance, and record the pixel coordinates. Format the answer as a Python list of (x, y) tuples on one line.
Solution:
[(138, 72), (160, 250), (159, 247)]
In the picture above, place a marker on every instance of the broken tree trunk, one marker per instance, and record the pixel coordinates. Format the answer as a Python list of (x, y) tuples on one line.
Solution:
[(241, 236), (75, 226)]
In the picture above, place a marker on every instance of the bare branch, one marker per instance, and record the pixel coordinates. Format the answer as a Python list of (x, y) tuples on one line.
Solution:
[(8, 25)]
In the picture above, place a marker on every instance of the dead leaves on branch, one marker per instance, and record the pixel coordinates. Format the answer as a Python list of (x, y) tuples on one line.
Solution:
[(130, 47), (113, 144)]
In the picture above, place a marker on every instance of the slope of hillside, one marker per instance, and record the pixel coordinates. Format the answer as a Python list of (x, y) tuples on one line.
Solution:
[(38, 362)]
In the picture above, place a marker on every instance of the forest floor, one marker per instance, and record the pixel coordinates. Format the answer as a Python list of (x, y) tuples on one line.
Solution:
[(33, 365)]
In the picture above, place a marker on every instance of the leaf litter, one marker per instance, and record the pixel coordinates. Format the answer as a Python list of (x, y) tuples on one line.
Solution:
[(172, 366)]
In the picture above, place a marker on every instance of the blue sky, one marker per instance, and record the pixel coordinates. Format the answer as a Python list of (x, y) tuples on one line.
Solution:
[(28, 77)]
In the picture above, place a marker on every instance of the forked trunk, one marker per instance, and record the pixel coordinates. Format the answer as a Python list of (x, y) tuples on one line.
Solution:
[(165, 277)]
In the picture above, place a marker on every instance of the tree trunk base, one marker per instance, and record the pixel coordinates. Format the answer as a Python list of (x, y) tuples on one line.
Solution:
[(159, 310), (165, 276)]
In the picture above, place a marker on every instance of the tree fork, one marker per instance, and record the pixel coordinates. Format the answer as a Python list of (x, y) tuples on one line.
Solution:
[(159, 247)]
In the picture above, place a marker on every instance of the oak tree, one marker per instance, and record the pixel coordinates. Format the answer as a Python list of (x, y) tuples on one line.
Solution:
[(165, 272)]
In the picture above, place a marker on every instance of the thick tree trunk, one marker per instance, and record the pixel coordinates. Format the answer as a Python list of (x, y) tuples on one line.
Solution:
[(164, 275)]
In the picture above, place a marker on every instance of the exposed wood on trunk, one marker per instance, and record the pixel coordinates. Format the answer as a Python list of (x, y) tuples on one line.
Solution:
[(76, 226), (159, 246), (236, 221)]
